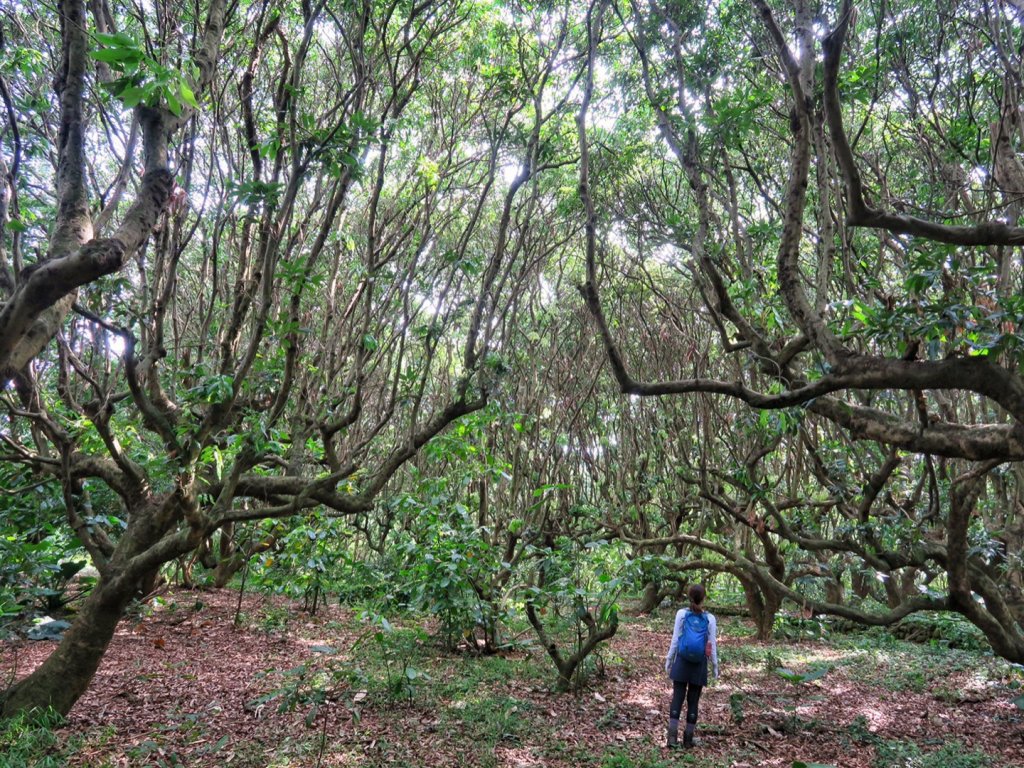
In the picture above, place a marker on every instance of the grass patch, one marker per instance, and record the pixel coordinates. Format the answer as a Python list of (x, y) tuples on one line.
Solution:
[(899, 665), (457, 677), (907, 754), (621, 758), (656, 757), (27, 740), (489, 719), (574, 754)]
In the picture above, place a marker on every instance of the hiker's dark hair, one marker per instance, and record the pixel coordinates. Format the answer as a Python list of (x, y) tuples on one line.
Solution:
[(697, 594)]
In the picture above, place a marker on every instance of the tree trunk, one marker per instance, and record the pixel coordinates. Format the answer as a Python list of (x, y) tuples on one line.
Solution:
[(65, 675), (566, 666), (766, 621), (651, 598), (859, 583), (763, 604), (834, 590), (227, 568), (893, 595), (755, 605), (234, 557)]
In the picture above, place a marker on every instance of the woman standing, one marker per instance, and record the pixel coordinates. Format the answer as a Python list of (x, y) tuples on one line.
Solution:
[(694, 641)]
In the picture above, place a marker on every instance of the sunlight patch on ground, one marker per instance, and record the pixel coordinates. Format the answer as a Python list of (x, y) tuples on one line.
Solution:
[(516, 757), (643, 699), (351, 758), (742, 670), (841, 690), (812, 655), (877, 719)]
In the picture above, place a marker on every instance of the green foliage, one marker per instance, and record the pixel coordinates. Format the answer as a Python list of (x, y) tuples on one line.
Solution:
[(771, 661), (736, 707), (899, 665), (510, 503), (792, 723), (449, 564), (212, 389), (949, 630), (181, 728), (394, 649), (310, 560), (802, 677), (143, 81), (465, 675), (907, 754), (859, 732), (27, 740), (306, 686), (623, 759), (273, 620), (972, 319), (356, 581), (255, 193), (38, 556), (490, 719), (798, 628)]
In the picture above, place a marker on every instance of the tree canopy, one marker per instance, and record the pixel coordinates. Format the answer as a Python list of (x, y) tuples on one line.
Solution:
[(529, 302)]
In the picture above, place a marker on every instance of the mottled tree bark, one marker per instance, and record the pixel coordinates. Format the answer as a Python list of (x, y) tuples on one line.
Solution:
[(67, 672)]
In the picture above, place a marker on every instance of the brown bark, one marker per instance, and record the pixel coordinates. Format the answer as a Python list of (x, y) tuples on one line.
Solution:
[(65, 675), (567, 665), (763, 607), (651, 597), (46, 291), (67, 672), (859, 213)]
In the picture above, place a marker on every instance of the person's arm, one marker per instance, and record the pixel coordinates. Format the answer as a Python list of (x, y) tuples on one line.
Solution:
[(677, 628), (713, 633)]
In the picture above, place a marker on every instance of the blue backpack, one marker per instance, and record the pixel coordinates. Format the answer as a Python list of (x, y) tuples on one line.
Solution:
[(694, 638)]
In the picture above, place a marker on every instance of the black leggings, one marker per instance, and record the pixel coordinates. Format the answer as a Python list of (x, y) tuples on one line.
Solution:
[(692, 694)]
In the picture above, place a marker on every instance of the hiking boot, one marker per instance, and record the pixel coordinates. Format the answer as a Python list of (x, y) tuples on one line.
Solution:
[(687, 740), (673, 736)]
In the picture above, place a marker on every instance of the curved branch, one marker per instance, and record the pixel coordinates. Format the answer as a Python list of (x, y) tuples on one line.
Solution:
[(807, 318), (45, 290), (891, 616), (978, 442), (859, 213)]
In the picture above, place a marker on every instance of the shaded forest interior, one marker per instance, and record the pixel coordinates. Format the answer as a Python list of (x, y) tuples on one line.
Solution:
[(473, 332)]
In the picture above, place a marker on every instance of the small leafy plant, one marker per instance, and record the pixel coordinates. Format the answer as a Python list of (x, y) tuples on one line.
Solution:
[(798, 678), (396, 648), (736, 707)]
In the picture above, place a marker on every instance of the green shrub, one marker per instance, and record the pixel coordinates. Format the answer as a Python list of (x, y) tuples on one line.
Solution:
[(948, 630), (387, 654), (798, 628), (860, 733), (736, 707)]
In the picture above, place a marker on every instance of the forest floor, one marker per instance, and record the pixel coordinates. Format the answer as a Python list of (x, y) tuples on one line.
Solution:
[(181, 685)]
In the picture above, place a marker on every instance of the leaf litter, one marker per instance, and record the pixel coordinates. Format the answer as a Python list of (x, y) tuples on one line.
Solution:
[(184, 686)]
